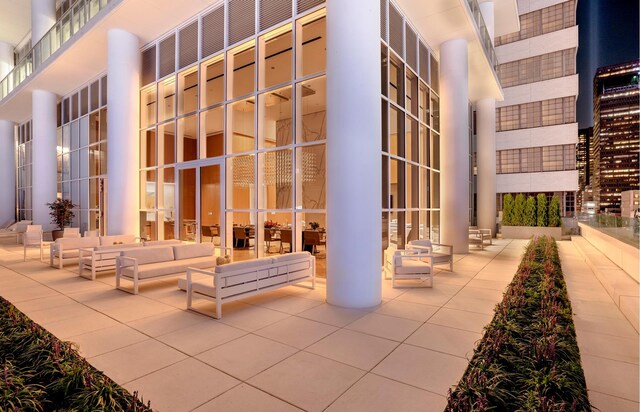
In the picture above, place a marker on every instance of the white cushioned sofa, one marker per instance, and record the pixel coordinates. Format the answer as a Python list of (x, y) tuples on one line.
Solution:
[(64, 249), (150, 263), (244, 279)]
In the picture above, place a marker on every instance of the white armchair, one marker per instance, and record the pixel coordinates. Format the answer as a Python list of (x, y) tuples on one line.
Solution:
[(32, 237), (441, 253), (71, 232), (412, 264)]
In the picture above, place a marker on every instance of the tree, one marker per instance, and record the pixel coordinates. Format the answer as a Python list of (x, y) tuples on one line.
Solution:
[(518, 210), (530, 212), (542, 219), (554, 212), (507, 210)]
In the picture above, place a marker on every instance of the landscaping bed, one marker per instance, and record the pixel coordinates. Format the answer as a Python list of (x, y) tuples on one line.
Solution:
[(42, 373), (528, 358)]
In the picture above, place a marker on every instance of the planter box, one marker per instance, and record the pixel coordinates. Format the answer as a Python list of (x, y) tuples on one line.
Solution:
[(526, 232)]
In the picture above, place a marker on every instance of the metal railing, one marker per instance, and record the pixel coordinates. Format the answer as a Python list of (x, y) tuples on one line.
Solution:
[(625, 229), (67, 25), (485, 38)]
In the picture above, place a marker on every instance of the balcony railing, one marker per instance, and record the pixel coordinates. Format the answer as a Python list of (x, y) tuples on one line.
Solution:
[(485, 39), (69, 24), (625, 229)]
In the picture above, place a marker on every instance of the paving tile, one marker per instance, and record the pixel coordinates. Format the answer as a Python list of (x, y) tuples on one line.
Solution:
[(606, 403), (201, 336), (167, 322), (106, 340), (308, 381), (460, 319), (436, 296), (248, 317), (134, 361), (353, 348), (244, 398), (607, 346), (444, 339), (296, 332), (247, 356), (182, 386), (426, 369), (384, 326), (407, 310), (375, 393), (615, 378), (58, 313), (66, 328), (333, 315), (291, 304), (472, 304), (50, 302), (614, 327)]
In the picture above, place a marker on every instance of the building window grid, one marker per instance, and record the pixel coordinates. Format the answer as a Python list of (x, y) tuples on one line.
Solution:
[(549, 19), (299, 78), (400, 208), (24, 167), (537, 68), (82, 150), (550, 112), (536, 159)]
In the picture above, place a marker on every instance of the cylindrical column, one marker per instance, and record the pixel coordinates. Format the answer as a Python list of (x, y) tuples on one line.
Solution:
[(354, 176), (44, 152), (123, 74), (6, 59), (486, 161), (43, 17), (454, 146), (7, 171)]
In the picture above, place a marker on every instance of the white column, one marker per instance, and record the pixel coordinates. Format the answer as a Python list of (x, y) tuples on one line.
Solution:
[(486, 147), (43, 17), (354, 176), (123, 74), (6, 59), (454, 146), (7, 171), (44, 156)]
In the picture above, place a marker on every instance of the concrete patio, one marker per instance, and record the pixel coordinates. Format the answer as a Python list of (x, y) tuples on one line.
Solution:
[(288, 350)]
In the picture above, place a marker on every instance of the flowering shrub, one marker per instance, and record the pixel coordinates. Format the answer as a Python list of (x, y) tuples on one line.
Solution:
[(528, 358)]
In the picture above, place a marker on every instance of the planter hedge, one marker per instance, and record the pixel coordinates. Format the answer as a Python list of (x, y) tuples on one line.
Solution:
[(42, 373), (528, 358)]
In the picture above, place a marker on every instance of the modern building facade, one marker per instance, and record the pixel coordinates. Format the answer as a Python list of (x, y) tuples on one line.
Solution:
[(583, 163), (219, 122), (536, 128), (616, 138)]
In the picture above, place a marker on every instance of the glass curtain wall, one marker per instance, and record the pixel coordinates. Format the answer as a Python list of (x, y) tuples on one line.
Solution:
[(82, 153), (24, 164), (259, 105), (410, 134)]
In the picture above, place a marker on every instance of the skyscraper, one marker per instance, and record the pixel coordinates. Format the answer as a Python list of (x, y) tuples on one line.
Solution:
[(583, 163), (616, 141)]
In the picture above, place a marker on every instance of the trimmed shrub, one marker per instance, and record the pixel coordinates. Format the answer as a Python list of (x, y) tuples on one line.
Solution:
[(542, 219), (555, 214), (518, 210), (530, 212), (507, 210), (528, 358), (42, 373)]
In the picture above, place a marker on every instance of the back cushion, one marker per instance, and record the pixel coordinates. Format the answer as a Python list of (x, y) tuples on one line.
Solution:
[(78, 242), (110, 240), (150, 254), (118, 247), (247, 265), (290, 256), (163, 242), (192, 251)]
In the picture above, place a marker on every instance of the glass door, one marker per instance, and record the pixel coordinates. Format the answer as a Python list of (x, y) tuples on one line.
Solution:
[(200, 202)]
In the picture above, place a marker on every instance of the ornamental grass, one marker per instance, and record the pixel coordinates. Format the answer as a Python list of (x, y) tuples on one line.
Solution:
[(528, 358), (41, 373)]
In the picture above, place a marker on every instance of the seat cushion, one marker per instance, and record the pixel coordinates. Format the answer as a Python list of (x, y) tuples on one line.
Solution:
[(441, 257), (152, 270), (150, 255), (192, 251), (412, 266), (111, 240)]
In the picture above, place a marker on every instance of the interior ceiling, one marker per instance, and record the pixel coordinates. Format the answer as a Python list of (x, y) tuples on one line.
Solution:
[(15, 20)]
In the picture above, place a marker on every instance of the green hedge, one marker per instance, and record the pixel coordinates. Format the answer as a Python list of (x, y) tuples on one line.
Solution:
[(42, 373), (528, 358), (530, 211)]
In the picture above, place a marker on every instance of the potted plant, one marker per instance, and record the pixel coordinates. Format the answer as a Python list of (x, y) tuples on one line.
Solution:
[(314, 225), (61, 212)]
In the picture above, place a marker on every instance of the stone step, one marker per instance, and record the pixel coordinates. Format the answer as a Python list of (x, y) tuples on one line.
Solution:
[(622, 288)]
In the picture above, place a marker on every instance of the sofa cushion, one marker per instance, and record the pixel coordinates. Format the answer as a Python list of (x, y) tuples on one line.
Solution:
[(290, 256), (245, 265), (117, 247), (170, 242), (110, 240), (148, 255), (153, 270), (192, 251), (412, 266), (78, 242)]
